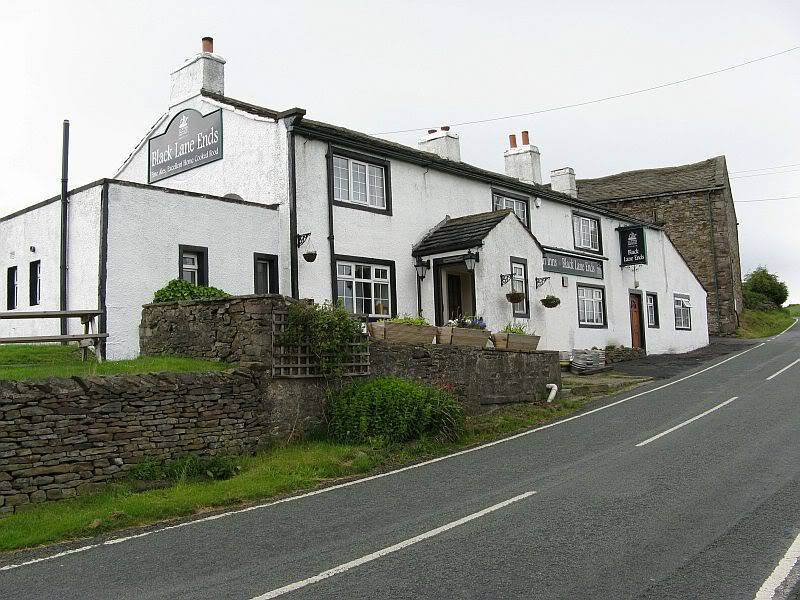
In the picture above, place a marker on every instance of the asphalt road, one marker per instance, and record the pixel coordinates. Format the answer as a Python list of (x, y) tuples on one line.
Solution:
[(641, 497)]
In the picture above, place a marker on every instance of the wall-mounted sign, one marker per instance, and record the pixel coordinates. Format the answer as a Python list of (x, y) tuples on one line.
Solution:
[(632, 247), (572, 265), (190, 140)]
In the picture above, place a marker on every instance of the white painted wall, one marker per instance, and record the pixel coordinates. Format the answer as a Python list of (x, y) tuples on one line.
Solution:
[(145, 228)]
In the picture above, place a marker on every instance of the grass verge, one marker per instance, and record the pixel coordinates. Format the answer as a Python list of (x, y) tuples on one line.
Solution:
[(31, 361), (755, 324), (794, 310), (277, 471)]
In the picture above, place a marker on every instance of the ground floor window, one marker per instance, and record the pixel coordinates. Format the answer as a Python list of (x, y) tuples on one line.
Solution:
[(652, 310), (265, 273), (11, 288), (193, 264), (591, 306), (35, 282), (519, 283), (683, 312), (365, 289)]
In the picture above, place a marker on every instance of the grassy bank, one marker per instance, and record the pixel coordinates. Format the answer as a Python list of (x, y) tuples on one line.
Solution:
[(273, 472), (761, 324), (22, 361), (794, 310)]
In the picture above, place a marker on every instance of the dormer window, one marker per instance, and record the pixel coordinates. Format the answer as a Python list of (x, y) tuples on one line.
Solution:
[(586, 232), (360, 180)]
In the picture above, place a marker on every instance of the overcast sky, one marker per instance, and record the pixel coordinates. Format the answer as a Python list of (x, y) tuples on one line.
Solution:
[(380, 66)]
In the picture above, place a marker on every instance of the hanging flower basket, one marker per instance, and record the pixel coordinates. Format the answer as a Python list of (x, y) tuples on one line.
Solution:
[(310, 256), (515, 297), (550, 301)]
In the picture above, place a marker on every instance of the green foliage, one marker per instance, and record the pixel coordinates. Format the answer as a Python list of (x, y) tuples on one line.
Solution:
[(757, 324), (409, 320), (186, 468), (393, 410), (757, 301), (514, 328), (178, 289), (761, 281), (550, 301), (330, 331)]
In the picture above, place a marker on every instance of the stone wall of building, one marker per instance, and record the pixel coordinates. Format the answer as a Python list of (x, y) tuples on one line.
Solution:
[(479, 378), (691, 225), (623, 354)]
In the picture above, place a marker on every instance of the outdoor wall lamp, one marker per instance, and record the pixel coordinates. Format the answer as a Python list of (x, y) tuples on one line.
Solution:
[(422, 267), (470, 259)]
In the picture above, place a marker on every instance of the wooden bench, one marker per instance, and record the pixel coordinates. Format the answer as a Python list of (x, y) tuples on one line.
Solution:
[(89, 337)]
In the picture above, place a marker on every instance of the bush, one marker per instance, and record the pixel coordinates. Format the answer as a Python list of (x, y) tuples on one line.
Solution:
[(761, 281), (394, 410), (757, 301), (186, 467), (178, 289), (409, 320)]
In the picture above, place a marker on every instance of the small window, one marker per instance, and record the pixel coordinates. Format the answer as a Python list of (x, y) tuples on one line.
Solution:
[(652, 310), (683, 312), (265, 273), (35, 282), (359, 182), (591, 306), (518, 205), (519, 283), (364, 289), (586, 232), (193, 264), (11, 288)]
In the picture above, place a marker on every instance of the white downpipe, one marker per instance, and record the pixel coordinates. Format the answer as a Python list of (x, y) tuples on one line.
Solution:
[(553, 391)]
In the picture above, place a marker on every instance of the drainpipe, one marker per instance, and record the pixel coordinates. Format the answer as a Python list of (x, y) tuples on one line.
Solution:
[(63, 257), (714, 256), (331, 237), (295, 277)]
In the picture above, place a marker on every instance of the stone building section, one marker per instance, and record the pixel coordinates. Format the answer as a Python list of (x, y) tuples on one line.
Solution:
[(694, 205)]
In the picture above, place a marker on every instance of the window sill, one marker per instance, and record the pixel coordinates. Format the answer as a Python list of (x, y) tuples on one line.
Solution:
[(592, 326), (683, 328), (381, 211)]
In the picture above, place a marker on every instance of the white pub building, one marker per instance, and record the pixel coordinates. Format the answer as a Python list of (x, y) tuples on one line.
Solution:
[(252, 200)]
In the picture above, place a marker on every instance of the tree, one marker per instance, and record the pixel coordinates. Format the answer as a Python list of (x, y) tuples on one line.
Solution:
[(760, 281)]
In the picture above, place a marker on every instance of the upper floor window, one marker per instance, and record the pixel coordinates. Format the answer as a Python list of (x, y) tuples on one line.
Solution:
[(518, 205), (586, 231), (364, 289), (683, 312), (35, 281), (359, 182), (11, 288)]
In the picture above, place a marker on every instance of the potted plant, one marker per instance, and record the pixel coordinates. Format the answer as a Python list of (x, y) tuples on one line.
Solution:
[(550, 301), (406, 329), (469, 331), (310, 255), (515, 297), (515, 337)]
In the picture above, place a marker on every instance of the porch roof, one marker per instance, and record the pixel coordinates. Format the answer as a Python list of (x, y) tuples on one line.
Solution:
[(460, 233)]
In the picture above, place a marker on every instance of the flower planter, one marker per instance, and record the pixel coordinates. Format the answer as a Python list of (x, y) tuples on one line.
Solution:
[(377, 330), (444, 335), (515, 341), (310, 256), (515, 297), (550, 301), (409, 334), (476, 338)]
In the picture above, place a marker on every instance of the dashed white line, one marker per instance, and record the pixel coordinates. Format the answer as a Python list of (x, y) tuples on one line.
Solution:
[(780, 573), (337, 570), (786, 368), (378, 475), (692, 420)]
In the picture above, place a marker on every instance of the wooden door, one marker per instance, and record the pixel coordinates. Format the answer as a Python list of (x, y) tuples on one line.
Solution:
[(455, 306), (637, 332)]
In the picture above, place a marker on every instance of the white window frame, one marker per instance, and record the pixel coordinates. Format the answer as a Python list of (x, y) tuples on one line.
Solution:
[(651, 302), (519, 284), (591, 302), (38, 274), (346, 271), (372, 198), (582, 229), (682, 308), (191, 268), (519, 206)]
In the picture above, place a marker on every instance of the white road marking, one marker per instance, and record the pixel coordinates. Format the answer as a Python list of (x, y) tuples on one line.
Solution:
[(787, 367), (361, 480), (692, 420), (785, 330), (780, 573), (389, 549)]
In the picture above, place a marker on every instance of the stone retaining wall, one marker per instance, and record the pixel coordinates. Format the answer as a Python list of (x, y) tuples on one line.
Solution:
[(622, 354)]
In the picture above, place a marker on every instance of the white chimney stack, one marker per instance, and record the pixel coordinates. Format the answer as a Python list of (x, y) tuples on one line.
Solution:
[(205, 71), (523, 162), (563, 180), (443, 142)]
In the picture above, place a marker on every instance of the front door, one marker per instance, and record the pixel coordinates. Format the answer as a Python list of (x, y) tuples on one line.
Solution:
[(637, 332), (455, 306)]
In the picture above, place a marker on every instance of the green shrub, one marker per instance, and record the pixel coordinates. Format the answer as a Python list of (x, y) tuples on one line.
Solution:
[(185, 468), (178, 289), (761, 281), (409, 320), (757, 301), (394, 410), (513, 328)]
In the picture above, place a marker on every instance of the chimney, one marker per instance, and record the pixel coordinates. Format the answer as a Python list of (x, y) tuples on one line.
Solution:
[(523, 162), (563, 180), (205, 71), (443, 142)]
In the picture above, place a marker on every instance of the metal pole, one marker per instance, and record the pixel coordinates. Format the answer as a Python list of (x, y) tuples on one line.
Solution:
[(63, 261)]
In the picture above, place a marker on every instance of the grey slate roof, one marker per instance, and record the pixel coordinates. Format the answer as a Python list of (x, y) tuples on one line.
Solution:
[(711, 173), (460, 233)]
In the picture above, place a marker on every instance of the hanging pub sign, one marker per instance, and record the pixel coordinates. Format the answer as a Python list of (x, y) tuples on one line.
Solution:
[(632, 247), (572, 265), (190, 140)]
